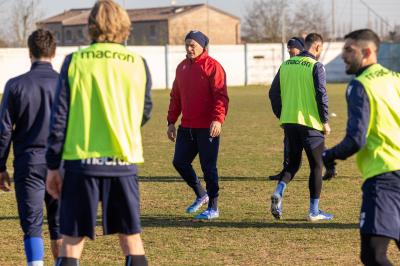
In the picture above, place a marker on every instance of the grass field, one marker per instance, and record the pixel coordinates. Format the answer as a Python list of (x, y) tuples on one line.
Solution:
[(246, 234)]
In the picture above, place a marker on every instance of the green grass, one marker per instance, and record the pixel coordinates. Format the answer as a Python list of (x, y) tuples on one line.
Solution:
[(246, 234)]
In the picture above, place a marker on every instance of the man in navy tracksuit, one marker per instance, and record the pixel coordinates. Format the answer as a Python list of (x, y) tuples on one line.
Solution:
[(24, 120)]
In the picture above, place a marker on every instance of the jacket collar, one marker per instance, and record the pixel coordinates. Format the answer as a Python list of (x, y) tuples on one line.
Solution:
[(41, 64), (307, 54), (200, 57)]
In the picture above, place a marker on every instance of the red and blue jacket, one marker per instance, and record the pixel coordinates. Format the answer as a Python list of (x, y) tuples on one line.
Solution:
[(199, 93)]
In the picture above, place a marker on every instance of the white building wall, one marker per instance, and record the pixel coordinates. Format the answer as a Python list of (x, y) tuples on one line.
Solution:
[(232, 59), (243, 64)]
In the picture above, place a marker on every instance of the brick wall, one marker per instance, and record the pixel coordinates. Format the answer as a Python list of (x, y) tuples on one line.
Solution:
[(220, 28)]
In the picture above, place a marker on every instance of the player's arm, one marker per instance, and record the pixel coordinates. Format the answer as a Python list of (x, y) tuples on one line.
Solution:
[(358, 109), (174, 109), (321, 95), (6, 127), (275, 95), (148, 104), (220, 99), (59, 119), (58, 128)]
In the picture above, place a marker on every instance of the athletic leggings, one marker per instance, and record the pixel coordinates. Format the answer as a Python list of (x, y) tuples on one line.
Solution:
[(312, 141), (374, 249)]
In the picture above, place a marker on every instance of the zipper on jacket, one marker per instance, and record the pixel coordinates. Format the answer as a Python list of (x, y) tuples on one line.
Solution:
[(191, 135)]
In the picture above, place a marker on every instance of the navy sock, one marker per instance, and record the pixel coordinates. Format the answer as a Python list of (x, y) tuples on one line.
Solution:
[(64, 261), (136, 260), (34, 249)]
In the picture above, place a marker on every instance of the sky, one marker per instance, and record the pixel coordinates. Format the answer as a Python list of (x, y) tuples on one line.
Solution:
[(387, 9)]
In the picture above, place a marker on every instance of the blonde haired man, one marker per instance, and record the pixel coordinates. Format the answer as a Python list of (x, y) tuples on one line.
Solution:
[(104, 94)]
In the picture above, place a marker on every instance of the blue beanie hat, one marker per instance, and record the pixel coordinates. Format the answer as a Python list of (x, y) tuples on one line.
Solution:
[(198, 36), (296, 43)]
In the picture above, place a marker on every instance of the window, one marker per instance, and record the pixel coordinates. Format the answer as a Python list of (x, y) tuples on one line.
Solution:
[(68, 35), (58, 36), (152, 33), (80, 34)]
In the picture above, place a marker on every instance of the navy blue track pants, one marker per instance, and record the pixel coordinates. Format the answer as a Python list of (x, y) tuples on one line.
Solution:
[(189, 143)]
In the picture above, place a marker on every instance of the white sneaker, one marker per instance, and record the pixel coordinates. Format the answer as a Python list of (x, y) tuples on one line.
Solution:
[(196, 205), (320, 216), (276, 206)]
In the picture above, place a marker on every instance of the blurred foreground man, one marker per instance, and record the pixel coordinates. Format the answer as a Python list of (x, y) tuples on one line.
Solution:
[(24, 121), (300, 101), (199, 93), (373, 132), (103, 98)]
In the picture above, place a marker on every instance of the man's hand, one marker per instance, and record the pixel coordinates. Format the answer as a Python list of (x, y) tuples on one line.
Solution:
[(215, 129), (326, 129), (171, 132), (330, 166), (5, 182), (54, 183)]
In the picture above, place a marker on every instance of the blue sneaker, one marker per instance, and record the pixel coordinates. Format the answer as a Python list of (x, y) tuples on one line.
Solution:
[(320, 216), (276, 206), (208, 214), (197, 204)]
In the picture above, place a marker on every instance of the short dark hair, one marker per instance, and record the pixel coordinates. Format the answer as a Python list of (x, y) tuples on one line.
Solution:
[(296, 42), (364, 35), (42, 43), (312, 38)]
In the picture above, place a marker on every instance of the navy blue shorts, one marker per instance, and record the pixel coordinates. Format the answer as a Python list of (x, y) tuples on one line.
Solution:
[(81, 195), (380, 209), (30, 194)]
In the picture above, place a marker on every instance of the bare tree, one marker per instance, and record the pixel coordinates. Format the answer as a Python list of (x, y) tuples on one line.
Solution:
[(3, 43), (263, 21), (310, 17), (25, 13), (266, 20)]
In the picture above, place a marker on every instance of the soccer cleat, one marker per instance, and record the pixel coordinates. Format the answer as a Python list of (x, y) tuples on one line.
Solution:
[(275, 177), (320, 216), (196, 205), (208, 214), (276, 206), (329, 173)]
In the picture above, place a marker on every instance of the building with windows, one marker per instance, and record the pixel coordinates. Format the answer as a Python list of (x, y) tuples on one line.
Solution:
[(152, 26)]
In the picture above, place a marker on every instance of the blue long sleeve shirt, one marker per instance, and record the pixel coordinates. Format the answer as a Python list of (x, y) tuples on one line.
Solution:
[(358, 112), (321, 96), (59, 126), (25, 115)]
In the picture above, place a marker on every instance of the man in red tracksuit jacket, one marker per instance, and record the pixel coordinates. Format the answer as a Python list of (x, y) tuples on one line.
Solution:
[(199, 93)]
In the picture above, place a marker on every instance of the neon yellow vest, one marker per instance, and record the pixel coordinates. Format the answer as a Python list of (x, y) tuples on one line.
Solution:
[(381, 154), (107, 87), (299, 105)]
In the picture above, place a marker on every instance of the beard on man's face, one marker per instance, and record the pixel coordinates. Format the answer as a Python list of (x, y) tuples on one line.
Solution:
[(353, 67)]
